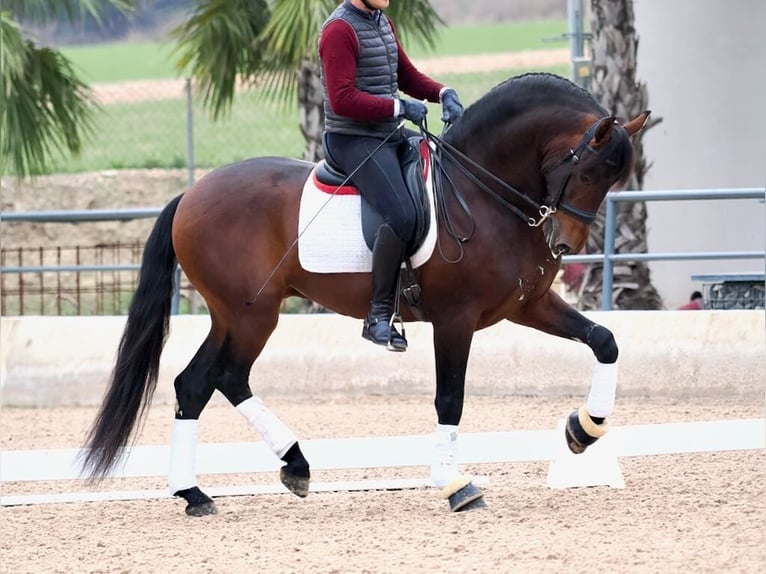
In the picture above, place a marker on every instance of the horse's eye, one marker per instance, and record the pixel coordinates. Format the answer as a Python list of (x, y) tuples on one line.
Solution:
[(584, 179)]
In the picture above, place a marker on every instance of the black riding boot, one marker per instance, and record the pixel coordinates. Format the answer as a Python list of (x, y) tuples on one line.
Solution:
[(387, 256)]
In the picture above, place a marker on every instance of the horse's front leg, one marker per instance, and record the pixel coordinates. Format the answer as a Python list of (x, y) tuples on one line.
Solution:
[(553, 315), (452, 344)]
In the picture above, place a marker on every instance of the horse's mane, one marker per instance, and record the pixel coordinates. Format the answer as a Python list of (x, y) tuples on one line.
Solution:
[(520, 94)]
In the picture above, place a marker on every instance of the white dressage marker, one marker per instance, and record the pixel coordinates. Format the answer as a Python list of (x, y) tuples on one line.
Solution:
[(597, 466), (374, 452)]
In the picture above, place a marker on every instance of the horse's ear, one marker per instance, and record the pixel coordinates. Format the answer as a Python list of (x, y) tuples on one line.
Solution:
[(637, 124), (603, 132)]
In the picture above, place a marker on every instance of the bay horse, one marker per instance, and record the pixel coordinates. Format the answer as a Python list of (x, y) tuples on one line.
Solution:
[(522, 173)]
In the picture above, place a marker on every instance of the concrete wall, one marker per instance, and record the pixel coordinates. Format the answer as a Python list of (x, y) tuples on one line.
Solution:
[(704, 65), (48, 361)]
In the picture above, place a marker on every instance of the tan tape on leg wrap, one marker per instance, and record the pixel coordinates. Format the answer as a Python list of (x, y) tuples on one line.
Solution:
[(587, 424)]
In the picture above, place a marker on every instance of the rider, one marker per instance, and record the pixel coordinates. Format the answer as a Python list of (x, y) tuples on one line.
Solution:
[(363, 66)]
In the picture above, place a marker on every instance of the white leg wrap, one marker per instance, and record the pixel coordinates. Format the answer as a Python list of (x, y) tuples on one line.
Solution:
[(274, 432), (444, 463), (182, 473), (603, 390)]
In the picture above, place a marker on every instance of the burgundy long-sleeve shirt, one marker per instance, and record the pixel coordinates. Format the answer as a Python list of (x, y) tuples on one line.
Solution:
[(339, 50)]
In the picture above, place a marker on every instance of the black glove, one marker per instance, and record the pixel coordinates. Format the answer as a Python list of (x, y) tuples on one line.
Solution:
[(451, 106), (413, 110)]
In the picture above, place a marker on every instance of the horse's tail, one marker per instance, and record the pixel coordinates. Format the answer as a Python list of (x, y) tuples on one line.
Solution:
[(134, 378)]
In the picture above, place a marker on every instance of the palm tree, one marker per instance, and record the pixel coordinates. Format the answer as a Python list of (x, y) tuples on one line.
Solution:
[(615, 85), (227, 43), (44, 106)]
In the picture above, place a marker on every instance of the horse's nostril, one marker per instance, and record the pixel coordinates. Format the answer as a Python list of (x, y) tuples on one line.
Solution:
[(562, 248)]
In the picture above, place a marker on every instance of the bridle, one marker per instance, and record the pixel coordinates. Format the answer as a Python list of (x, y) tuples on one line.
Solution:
[(543, 210), (572, 158)]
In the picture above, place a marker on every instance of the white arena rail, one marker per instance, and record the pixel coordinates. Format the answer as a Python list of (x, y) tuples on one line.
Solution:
[(375, 452)]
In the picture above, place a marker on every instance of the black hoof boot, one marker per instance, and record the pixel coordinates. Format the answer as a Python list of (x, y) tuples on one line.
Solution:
[(199, 503), (581, 430), (463, 494), (295, 474), (380, 331)]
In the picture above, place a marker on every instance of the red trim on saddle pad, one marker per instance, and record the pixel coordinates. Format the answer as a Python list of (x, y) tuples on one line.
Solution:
[(323, 187), (351, 190)]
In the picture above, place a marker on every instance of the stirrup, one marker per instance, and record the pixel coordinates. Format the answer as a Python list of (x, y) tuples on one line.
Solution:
[(391, 339), (401, 340)]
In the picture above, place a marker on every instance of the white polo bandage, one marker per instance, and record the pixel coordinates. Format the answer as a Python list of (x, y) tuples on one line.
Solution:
[(444, 463), (273, 431), (603, 390), (182, 473)]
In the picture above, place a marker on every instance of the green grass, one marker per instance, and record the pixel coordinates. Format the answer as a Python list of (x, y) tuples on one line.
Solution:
[(123, 61), (493, 39), (153, 134)]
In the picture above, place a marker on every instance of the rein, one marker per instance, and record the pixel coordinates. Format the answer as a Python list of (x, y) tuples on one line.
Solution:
[(459, 159)]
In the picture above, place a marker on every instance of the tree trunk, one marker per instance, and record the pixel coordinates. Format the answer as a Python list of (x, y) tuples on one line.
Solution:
[(311, 109), (312, 127), (614, 84)]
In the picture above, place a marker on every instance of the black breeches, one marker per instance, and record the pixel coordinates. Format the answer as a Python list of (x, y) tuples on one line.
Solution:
[(379, 179)]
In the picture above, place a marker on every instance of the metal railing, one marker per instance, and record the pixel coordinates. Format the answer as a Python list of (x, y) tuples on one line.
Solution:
[(608, 258)]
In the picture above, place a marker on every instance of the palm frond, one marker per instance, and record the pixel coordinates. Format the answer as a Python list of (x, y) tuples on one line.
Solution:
[(293, 30), (42, 11), (44, 107), (230, 41), (219, 44), (415, 20)]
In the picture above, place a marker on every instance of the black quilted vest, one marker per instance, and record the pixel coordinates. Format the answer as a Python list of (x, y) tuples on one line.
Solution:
[(376, 69)]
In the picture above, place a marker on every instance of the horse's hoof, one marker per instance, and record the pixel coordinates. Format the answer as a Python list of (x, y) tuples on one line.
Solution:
[(581, 431), (463, 494), (298, 485), (204, 509), (199, 503)]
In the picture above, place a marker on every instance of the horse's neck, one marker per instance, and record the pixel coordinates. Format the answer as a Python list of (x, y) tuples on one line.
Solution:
[(511, 155)]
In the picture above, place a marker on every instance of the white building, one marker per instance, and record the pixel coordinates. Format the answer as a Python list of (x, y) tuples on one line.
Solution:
[(704, 63)]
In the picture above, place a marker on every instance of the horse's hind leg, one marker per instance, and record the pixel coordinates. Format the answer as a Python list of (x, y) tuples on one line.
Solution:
[(226, 366), (194, 388), (231, 373)]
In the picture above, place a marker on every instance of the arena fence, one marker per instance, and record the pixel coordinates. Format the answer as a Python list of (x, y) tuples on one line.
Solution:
[(100, 280), (598, 466)]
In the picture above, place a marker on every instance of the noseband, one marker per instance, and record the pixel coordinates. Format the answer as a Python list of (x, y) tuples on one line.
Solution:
[(544, 210)]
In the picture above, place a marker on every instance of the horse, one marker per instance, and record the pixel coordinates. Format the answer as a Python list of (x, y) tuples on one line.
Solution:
[(521, 176)]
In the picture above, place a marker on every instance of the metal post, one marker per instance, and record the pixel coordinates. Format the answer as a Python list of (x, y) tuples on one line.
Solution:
[(576, 39), (580, 66), (189, 131), (610, 225)]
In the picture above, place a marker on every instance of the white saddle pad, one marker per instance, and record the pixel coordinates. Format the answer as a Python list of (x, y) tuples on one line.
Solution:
[(330, 229)]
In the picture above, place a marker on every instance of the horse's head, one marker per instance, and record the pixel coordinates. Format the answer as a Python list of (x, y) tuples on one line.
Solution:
[(579, 170)]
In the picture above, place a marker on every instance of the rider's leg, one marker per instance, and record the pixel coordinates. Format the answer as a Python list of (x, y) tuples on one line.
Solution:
[(380, 181), (387, 254)]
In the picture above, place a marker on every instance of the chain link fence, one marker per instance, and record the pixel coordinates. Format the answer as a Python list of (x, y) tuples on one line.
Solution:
[(162, 124)]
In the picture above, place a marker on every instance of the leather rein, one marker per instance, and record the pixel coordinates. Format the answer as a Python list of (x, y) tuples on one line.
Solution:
[(544, 211)]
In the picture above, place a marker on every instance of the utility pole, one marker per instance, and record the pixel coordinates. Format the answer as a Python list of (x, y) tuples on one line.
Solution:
[(580, 64)]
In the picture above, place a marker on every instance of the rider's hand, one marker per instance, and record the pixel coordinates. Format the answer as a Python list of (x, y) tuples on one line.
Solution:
[(451, 107), (414, 111)]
